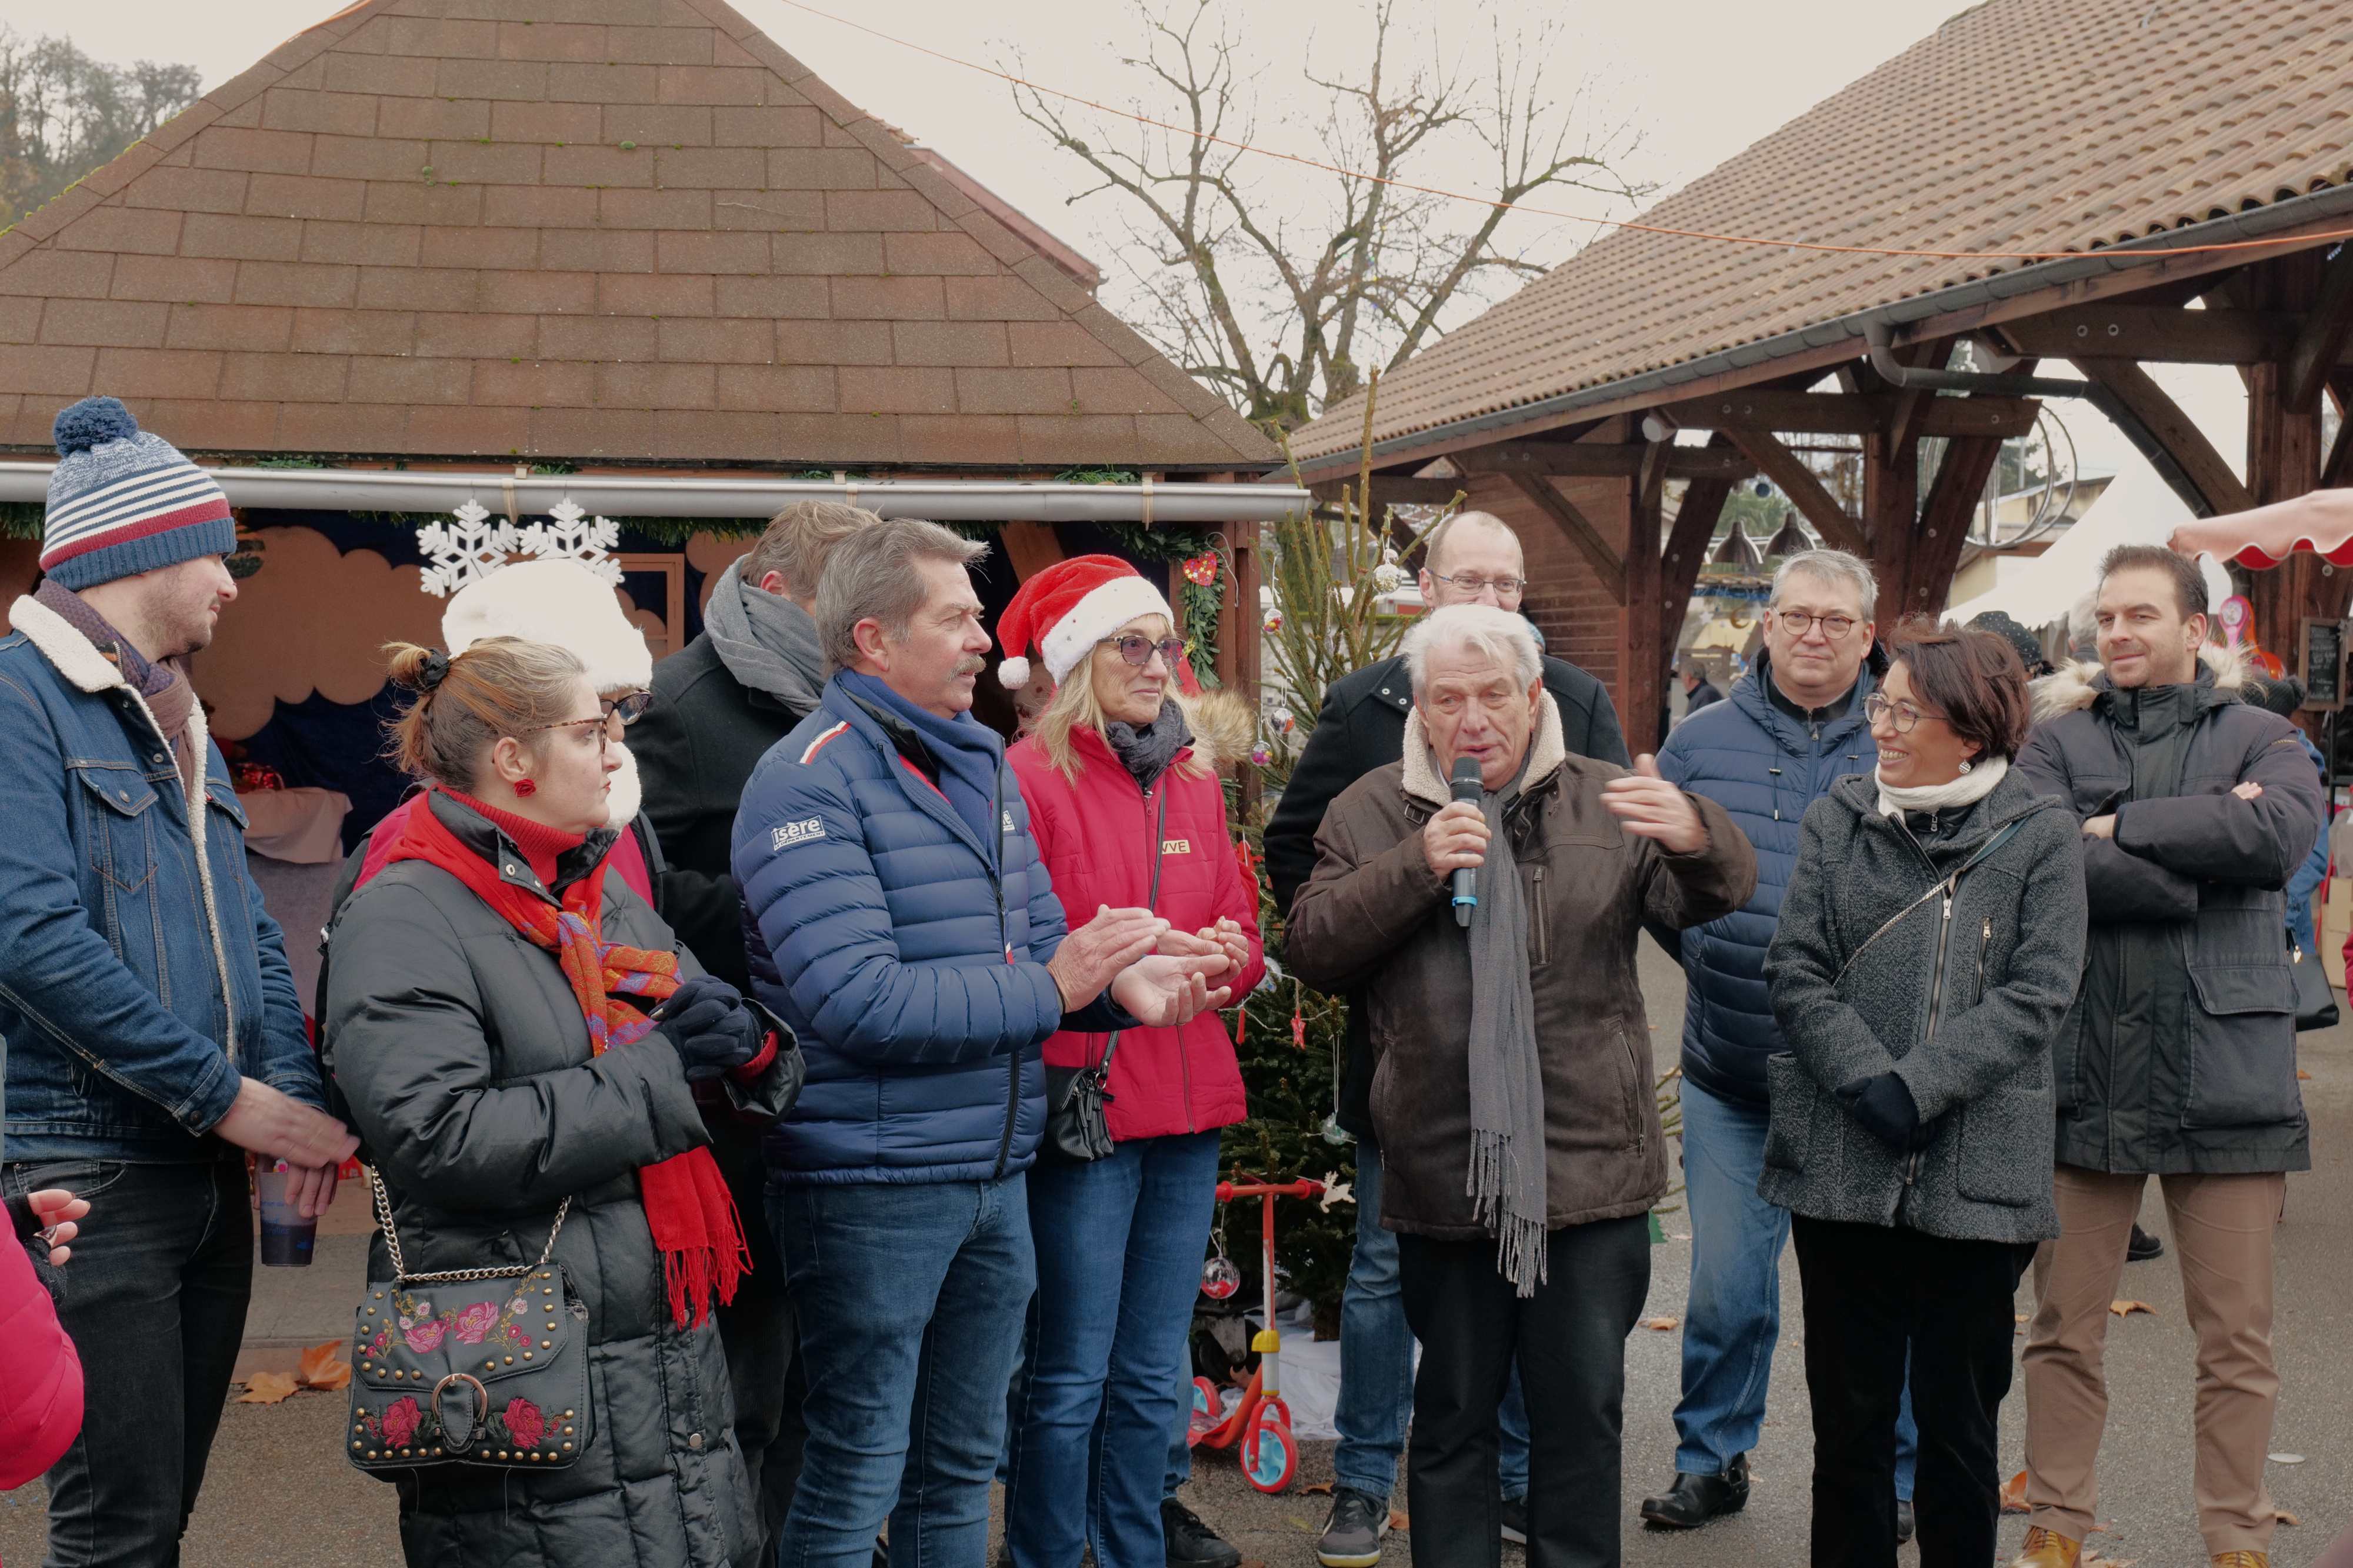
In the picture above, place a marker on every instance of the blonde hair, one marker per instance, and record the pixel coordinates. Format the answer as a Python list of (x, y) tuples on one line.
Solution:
[(461, 706), (1075, 706)]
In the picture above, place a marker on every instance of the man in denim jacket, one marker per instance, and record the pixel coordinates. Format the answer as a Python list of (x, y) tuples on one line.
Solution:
[(153, 1032)]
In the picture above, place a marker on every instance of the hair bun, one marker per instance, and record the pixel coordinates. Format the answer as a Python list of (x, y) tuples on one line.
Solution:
[(415, 668)]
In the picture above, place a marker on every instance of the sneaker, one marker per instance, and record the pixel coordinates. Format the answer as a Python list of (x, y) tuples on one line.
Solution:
[(2143, 1247), (1907, 1523), (2043, 1549), (2242, 1559), (1352, 1535), (1515, 1521), (1191, 1543), (1695, 1500)]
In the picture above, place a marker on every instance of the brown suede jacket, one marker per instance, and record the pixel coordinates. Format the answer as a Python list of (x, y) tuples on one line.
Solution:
[(1374, 920)]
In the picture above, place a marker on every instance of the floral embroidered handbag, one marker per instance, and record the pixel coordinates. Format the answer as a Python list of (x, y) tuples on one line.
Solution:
[(483, 1367)]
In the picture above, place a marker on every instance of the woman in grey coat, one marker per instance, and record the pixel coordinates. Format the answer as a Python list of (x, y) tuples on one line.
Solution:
[(513, 1030), (1929, 945)]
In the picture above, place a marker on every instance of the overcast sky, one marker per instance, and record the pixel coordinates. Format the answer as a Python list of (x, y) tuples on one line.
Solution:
[(1699, 79)]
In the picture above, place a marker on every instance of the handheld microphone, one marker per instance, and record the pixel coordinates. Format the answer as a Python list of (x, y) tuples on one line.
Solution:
[(1466, 883)]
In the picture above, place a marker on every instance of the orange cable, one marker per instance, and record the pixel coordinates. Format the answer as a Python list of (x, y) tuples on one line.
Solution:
[(2299, 239)]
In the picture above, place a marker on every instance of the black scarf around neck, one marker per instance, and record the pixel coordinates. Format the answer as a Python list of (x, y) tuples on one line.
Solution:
[(1148, 750)]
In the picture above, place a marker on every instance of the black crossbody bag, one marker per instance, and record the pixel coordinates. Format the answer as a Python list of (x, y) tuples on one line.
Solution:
[(1077, 1131)]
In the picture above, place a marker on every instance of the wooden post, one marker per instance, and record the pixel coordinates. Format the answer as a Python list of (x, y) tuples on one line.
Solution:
[(1891, 511), (2283, 460), (1641, 666)]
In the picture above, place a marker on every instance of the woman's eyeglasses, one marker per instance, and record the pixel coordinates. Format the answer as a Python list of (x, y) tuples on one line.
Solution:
[(1902, 716), (1138, 649), (601, 725), (629, 709)]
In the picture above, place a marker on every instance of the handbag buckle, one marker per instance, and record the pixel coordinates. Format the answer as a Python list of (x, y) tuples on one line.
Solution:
[(455, 1439)]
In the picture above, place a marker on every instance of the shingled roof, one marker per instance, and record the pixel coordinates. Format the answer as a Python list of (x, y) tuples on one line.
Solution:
[(2034, 125), (602, 230)]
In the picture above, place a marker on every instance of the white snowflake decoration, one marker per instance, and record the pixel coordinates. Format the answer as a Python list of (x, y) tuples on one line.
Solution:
[(474, 547), (569, 534)]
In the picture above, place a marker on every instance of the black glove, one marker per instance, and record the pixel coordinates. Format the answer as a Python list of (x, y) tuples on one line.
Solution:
[(708, 1024), (1884, 1107)]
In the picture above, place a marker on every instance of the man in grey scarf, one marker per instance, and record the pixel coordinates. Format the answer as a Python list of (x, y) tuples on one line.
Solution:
[(1519, 1132), (719, 703)]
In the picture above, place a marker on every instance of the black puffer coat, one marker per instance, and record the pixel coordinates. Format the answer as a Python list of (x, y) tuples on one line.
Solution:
[(2180, 1054), (458, 1048)]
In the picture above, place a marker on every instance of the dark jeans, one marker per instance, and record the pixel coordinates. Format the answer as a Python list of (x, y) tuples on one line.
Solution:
[(1570, 1341), (912, 1297), (1119, 1263), (154, 1297), (1871, 1290), (757, 1331)]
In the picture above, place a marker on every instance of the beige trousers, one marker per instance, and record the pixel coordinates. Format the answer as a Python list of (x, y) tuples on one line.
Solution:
[(2222, 1237)]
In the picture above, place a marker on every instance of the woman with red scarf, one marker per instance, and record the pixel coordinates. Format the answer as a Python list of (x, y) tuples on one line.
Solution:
[(510, 1027)]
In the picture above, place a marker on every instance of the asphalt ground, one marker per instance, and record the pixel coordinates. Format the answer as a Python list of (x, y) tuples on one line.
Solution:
[(280, 1493)]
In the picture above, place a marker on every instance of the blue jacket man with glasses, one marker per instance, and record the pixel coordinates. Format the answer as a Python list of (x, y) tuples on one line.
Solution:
[(1473, 559), (1789, 729)]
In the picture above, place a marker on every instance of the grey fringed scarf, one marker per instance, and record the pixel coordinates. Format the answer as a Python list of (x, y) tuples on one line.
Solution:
[(1507, 1112), (767, 642)]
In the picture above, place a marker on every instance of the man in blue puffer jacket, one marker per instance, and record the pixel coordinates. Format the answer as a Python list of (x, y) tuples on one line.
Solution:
[(1789, 729), (898, 917)]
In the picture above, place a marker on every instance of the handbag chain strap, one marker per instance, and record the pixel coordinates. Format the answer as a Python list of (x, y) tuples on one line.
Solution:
[(1159, 839), (400, 1270)]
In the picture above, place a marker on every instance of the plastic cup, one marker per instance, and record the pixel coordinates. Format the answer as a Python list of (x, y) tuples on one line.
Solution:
[(287, 1237)]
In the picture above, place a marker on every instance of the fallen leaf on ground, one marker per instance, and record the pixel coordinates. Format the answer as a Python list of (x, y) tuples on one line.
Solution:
[(1662, 1325), (1398, 1519), (2302, 1074), (1318, 1488), (2013, 1494), (2127, 1308), (324, 1366), (266, 1388), (2285, 1458), (2019, 1317), (2286, 1518)]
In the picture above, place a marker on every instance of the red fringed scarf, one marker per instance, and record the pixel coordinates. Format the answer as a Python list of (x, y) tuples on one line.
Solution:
[(688, 1207)]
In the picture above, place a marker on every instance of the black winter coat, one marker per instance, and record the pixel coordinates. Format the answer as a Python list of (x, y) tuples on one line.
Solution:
[(2180, 1054), (459, 1050), (1361, 728), (696, 746)]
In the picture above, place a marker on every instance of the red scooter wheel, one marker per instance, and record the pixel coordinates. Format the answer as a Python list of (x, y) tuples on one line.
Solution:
[(1270, 1457)]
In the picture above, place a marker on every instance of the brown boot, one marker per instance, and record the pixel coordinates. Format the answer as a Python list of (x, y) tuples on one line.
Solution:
[(2043, 1549), (2243, 1560)]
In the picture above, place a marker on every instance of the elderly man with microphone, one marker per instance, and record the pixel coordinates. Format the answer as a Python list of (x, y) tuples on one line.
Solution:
[(1484, 894)]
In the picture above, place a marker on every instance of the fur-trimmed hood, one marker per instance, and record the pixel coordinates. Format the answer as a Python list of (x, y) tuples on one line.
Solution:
[(1547, 751), (2073, 686), (1223, 723)]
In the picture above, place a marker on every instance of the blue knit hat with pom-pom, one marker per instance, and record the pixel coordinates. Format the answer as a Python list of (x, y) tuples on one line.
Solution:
[(123, 502)]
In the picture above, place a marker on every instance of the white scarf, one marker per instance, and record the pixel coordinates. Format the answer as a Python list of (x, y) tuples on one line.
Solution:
[(1967, 789)]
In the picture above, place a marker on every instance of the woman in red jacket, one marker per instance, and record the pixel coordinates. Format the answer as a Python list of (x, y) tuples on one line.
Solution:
[(1124, 797), (40, 1373)]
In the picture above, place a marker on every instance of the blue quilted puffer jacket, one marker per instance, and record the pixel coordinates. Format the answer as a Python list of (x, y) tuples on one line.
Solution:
[(1764, 768), (909, 957)]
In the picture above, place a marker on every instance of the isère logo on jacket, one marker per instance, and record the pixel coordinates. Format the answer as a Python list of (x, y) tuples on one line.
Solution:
[(784, 835)]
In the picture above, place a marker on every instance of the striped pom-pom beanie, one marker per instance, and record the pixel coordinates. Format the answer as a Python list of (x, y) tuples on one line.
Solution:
[(123, 502)]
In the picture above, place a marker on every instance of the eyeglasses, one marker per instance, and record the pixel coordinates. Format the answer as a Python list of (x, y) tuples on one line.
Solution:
[(1800, 622), (1474, 583), (1138, 649), (1902, 716), (629, 709), (602, 724)]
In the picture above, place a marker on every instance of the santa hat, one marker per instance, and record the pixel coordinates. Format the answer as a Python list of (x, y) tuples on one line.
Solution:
[(553, 601), (1069, 607)]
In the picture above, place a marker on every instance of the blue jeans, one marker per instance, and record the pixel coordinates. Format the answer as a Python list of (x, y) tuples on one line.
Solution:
[(154, 1299), (1733, 1318), (911, 1298), (1119, 1246), (1376, 1405)]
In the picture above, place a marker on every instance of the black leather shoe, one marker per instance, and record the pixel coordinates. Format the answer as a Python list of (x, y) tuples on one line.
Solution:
[(2143, 1247), (1192, 1543), (1907, 1524), (1692, 1500)]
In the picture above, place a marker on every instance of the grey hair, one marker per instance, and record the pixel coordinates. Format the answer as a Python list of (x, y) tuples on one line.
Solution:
[(1437, 540), (797, 541), (1506, 638), (2084, 621), (870, 576), (1835, 567)]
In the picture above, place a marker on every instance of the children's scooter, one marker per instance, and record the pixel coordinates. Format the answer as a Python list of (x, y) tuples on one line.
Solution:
[(1261, 1424)]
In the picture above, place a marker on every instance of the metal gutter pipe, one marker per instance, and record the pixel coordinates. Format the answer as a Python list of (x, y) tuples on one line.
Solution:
[(623, 495), (2336, 201), (1919, 378)]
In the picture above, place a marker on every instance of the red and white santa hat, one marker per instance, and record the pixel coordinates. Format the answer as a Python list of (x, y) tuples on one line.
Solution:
[(1066, 609)]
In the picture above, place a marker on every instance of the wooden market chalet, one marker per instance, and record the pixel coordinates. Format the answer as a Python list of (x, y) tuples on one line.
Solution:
[(2177, 178)]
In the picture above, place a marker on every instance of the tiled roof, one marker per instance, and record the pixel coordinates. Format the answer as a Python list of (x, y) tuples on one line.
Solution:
[(2035, 125), (585, 229)]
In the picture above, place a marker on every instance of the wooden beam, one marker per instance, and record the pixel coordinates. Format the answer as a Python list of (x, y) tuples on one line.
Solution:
[(1935, 547), (1606, 562), (1641, 669), (1030, 547), (1803, 487), (1891, 486), (1685, 554), (2320, 344), (1604, 460), (2338, 469), (1828, 413), (2170, 438), (2153, 333)]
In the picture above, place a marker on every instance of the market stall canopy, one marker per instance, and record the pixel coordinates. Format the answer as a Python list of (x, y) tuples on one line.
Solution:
[(2317, 523)]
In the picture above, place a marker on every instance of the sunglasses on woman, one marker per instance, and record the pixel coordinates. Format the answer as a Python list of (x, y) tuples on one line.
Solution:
[(1138, 649), (629, 709)]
